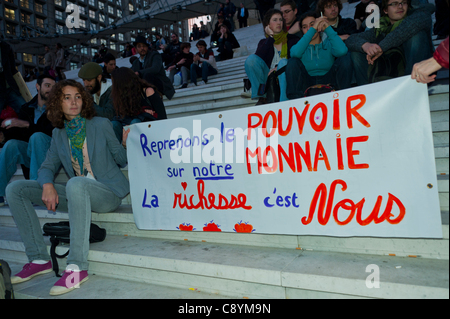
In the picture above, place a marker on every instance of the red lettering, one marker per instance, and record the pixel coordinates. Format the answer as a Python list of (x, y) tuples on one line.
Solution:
[(289, 159), (250, 125), (274, 160), (336, 119), (209, 202), (301, 118), (306, 155), (321, 155), (349, 205), (339, 154), (312, 115), (351, 152), (274, 124), (282, 132), (354, 111), (257, 153)]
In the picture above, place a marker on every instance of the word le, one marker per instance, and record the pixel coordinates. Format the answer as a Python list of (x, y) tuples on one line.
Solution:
[(349, 205), (73, 18), (296, 152), (209, 202)]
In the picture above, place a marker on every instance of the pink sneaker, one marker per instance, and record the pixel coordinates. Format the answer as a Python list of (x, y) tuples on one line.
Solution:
[(69, 281), (31, 270)]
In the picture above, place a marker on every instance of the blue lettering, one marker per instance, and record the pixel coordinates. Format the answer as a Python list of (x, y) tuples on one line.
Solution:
[(144, 144)]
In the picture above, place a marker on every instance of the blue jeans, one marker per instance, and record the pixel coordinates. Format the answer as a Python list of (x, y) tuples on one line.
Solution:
[(31, 154), (79, 197), (416, 49), (11, 98), (258, 71), (204, 71)]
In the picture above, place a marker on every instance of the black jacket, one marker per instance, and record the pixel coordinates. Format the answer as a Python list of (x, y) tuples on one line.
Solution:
[(265, 48), (27, 114)]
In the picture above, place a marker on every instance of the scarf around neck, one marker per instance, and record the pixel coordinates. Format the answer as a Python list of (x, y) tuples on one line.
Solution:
[(76, 131), (282, 38), (385, 24)]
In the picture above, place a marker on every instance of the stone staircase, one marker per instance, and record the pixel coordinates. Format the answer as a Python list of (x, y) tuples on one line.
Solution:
[(134, 263)]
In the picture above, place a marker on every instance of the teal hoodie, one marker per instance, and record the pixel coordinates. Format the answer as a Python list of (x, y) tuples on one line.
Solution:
[(319, 58)]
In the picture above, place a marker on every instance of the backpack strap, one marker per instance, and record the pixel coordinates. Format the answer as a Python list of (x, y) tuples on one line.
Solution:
[(55, 242)]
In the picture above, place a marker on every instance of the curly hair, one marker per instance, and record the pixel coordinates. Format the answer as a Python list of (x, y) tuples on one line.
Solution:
[(127, 91), (54, 107), (321, 4)]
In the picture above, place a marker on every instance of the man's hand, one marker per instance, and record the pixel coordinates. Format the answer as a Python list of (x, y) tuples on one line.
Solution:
[(15, 123), (373, 51), (50, 196)]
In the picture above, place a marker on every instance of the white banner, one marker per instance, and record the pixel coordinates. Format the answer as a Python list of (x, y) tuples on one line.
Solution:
[(357, 162)]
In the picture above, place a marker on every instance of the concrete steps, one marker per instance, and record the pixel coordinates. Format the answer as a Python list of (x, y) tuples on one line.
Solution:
[(248, 271)]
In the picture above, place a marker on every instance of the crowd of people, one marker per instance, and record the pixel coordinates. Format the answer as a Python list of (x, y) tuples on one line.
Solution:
[(321, 49), (63, 122)]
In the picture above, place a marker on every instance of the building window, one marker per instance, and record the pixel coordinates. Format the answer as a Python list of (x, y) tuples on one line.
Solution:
[(92, 2), (26, 18), (10, 29), (91, 14), (82, 23), (24, 3), (10, 13), (38, 7), (40, 23), (58, 2), (119, 13), (59, 28), (58, 15), (28, 57), (111, 10)]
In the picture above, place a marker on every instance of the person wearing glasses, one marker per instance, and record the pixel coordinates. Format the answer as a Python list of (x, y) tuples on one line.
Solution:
[(402, 39), (290, 16)]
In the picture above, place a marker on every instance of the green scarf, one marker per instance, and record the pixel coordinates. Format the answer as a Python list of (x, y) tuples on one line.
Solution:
[(76, 131), (385, 24), (282, 38)]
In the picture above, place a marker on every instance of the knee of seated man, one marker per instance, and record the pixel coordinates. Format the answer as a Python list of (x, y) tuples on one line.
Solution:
[(38, 137), (11, 146)]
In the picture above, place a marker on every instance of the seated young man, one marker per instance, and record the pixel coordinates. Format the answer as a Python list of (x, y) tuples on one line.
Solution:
[(290, 16), (31, 136), (313, 59), (204, 63), (401, 28), (331, 9)]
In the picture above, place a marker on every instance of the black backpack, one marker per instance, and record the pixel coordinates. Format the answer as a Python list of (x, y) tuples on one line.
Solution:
[(6, 288), (60, 233)]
